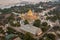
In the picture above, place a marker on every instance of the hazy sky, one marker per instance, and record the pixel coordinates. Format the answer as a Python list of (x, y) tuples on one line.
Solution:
[(7, 2)]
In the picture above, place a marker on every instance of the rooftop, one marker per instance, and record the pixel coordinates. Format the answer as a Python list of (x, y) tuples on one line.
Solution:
[(31, 29)]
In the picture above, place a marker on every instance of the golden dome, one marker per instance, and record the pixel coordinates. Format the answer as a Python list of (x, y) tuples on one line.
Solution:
[(30, 13)]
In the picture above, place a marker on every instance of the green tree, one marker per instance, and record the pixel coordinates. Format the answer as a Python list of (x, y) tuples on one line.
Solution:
[(48, 37), (17, 24), (11, 18), (10, 30), (51, 36), (26, 22), (1, 30), (44, 24), (6, 10), (45, 28), (28, 37), (37, 23), (2, 38)]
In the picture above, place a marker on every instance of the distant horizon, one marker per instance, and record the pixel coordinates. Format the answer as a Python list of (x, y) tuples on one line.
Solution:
[(3, 3), (6, 2)]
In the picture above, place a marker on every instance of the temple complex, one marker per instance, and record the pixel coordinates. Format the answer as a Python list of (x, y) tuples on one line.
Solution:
[(30, 16)]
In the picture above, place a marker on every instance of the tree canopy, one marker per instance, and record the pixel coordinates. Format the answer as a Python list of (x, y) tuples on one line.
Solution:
[(37, 23), (28, 36)]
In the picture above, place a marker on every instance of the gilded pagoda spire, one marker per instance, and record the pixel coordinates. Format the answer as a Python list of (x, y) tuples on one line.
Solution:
[(30, 13)]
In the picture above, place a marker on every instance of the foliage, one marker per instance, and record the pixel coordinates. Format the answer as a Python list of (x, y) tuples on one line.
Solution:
[(37, 23), (48, 37), (17, 24), (55, 13), (28, 37), (2, 38), (1, 30), (53, 19), (45, 27), (11, 18), (44, 24), (6, 11), (10, 30), (26, 22)]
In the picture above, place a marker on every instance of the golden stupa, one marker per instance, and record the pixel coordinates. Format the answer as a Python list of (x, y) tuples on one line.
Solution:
[(30, 13), (30, 16)]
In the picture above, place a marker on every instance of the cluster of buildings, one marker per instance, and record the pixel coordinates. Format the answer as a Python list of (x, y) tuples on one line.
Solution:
[(30, 17)]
